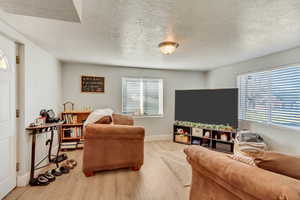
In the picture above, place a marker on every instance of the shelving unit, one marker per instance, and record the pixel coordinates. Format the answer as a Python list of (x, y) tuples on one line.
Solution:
[(72, 129), (219, 140)]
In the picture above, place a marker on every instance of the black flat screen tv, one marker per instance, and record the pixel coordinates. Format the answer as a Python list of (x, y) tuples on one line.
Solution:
[(219, 106)]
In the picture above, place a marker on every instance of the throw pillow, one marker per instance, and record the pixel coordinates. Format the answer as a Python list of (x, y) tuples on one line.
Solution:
[(104, 120), (279, 163)]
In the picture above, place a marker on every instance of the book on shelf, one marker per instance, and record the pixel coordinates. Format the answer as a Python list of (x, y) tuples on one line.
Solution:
[(70, 119), (72, 132), (68, 145), (80, 145)]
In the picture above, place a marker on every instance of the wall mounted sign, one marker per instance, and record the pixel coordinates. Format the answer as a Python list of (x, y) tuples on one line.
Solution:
[(92, 84)]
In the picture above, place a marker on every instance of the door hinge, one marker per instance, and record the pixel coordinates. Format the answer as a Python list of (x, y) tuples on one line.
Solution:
[(17, 166), (17, 113), (17, 59)]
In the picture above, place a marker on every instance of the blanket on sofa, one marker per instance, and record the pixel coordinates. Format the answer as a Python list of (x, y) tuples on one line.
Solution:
[(97, 115)]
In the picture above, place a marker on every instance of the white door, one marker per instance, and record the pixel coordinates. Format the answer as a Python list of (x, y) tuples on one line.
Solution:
[(7, 116)]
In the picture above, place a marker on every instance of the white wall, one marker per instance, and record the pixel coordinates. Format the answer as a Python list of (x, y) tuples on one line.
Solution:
[(42, 91), (112, 98), (40, 87), (278, 138)]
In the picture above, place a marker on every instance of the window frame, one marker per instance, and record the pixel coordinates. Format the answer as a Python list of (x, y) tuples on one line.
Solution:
[(161, 95), (269, 122)]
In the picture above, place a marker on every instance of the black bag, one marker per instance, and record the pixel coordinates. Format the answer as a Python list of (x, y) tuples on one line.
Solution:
[(49, 115)]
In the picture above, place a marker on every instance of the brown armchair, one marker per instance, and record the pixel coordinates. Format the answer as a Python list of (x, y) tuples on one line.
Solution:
[(216, 176), (113, 146)]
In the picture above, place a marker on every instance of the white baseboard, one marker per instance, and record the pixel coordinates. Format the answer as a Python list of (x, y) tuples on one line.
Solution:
[(157, 137), (23, 180)]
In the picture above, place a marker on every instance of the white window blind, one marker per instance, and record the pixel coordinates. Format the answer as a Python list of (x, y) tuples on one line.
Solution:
[(142, 96), (271, 96)]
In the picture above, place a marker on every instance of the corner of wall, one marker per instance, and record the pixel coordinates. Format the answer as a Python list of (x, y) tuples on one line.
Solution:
[(23, 180), (205, 76)]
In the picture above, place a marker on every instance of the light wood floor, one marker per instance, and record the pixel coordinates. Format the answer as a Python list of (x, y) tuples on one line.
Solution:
[(153, 182)]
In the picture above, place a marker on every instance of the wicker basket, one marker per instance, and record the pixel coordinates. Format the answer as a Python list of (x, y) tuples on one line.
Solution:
[(182, 138)]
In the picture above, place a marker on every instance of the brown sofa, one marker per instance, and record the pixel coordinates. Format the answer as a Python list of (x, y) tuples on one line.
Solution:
[(113, 146), (215, 176)]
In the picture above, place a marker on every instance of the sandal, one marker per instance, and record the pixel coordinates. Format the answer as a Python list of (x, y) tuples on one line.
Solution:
[(39, 181), (56, 172), (69, 164), (64, 169), (73, 162), (61, 158), (49, 176)]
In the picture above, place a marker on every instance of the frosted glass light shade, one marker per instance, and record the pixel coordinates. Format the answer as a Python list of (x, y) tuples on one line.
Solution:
[(168, 47)]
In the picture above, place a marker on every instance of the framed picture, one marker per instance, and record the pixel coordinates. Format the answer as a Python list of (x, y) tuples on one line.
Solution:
[(92, 84)]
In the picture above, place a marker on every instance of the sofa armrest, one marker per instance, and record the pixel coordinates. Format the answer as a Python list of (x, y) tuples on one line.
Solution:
[(252, 180), (101, 131)]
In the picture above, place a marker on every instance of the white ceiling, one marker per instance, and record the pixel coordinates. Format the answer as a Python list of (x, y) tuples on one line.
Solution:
[(67, 10), (210, 33)]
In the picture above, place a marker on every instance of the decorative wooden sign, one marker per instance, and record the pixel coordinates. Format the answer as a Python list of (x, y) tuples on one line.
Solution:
[(92, 84)]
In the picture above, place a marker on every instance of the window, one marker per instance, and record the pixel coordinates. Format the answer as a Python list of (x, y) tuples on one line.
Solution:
[(271, 96), (3, 61), (142, 96)]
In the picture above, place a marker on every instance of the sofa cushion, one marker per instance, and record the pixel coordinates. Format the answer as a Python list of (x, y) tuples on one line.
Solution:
[(104, 120), (279, 163), (119, 119)]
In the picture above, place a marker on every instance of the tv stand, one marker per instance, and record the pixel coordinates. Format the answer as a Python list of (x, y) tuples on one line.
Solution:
[(215, 139)]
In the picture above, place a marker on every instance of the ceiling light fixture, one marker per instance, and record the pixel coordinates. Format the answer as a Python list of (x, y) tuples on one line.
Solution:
[(168, 47)]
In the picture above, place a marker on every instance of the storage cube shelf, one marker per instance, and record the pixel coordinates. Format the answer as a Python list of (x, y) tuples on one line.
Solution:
[(219, 140)]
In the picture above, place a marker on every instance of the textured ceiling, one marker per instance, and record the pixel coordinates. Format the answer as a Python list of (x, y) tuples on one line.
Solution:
[(210, 33), (67, 10)]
